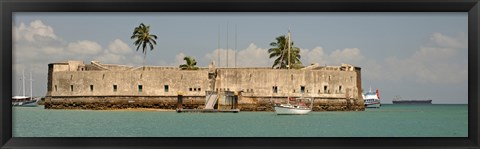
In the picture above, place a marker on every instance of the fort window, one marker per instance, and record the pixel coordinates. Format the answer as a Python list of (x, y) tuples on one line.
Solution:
[(165, 88), (302, 89), (194, 89), (91, 88), (294, 91), (71, 88), (329, 77), (103, 76), (340, 89), (114, 88), (325, 88), (190, 89), (199, 89), (140, 88), (55, 88), (275, 89)]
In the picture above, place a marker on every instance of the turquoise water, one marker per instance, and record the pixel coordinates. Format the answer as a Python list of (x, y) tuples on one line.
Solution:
[(387, 121)]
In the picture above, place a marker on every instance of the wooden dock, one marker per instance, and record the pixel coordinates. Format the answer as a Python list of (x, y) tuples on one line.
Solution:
[(208, 110)]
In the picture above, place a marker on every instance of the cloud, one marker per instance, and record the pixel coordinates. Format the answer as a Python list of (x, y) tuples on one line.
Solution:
[(119, 47), (84, 47), (179, 59), (436, 61), (35, 30), (336, 57), (119, 52), (440, 40), (252, 56)]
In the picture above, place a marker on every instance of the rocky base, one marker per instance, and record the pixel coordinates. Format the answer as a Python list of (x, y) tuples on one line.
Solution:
[(170, 103)]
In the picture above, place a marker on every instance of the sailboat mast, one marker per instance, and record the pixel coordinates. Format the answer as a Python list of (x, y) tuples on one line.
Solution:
[(31, 87), (227, 43), (218, 48), (23, 81)]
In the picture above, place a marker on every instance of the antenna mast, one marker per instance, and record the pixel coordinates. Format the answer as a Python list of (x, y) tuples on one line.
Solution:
[(227, 43), (23, 80)]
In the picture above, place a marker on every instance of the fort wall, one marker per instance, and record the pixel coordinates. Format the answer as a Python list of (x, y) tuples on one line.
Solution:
[(75, 85)]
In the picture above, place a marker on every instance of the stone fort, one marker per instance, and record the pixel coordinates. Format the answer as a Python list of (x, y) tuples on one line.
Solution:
[(76, 85)]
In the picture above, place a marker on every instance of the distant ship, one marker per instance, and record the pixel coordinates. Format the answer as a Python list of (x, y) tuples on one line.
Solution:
[(372, 99), (397, 100)]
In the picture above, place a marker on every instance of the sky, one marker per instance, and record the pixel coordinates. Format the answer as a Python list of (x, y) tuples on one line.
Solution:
[(406, 54)]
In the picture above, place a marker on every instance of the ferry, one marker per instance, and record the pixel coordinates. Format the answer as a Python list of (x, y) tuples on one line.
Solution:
[(372, 99)]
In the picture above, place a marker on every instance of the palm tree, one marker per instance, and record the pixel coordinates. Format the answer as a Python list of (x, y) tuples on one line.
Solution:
[(142, 37), (279, 51), (190, 64)]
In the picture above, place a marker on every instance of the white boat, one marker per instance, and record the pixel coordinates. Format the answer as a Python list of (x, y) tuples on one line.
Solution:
[(23, 100), (292, 109), (372, 99)]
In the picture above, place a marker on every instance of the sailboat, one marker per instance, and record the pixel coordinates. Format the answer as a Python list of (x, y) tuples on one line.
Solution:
[(23, 100), (292, 109)]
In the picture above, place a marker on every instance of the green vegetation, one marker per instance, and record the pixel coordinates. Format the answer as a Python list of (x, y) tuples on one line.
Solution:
[(143, 38), (279, 51), (190, 64)]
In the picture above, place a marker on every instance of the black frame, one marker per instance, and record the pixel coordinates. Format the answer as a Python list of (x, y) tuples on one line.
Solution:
[(9, 6)]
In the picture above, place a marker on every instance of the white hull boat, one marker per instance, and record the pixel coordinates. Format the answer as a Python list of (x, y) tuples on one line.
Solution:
[(372, 99), (286, 109)]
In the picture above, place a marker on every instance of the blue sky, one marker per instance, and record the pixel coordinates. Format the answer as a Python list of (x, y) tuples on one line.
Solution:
[(412, 55)]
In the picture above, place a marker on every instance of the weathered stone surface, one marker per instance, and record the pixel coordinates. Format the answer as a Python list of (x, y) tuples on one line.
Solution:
[(75, 85)]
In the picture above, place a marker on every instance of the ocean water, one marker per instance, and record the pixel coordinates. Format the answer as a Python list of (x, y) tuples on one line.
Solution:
[(387, 121)]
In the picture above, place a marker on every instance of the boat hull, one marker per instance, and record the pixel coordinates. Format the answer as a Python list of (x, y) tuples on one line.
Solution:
[(412, 102), (373, 105), (31, 103), (279, 110)]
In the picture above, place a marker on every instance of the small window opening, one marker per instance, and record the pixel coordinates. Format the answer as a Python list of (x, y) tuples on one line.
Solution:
[(275, 89), (55, 88), (199, 89), (140, 88), (91, 88), (114, 88), (71, 88), (194, 89), (340, 89), (325, 89), (190, 89), (302, 89), (165, 88)]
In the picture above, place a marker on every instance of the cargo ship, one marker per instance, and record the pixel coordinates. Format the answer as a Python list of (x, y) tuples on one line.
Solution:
[(397, 100)]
